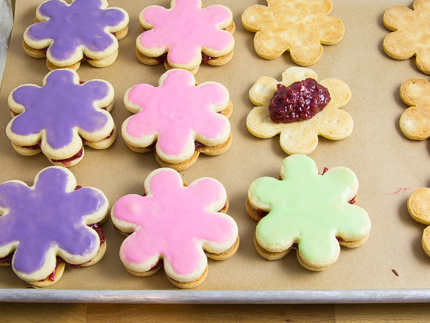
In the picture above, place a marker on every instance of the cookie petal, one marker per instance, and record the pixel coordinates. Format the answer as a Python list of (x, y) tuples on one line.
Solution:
[(299, 137), (419, 205), (398, 45), (334, 124), (260, 125), (267, 45), (332, 31), (415, 91), (295, 74), (262, 91), (306, 54), (415, 122), (253, 18)]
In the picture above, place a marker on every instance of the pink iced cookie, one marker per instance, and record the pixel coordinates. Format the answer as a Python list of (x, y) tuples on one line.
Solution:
[(178, 119), (185, 34), (174, 225)]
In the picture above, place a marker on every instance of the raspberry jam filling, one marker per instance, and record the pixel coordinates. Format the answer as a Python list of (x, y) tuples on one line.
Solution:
[(7, 259), (197, 145), (206, 58), (299, 101), (68, 160), (34, 147), (78, 154), (59, 259), (157, 265), (85, 58)]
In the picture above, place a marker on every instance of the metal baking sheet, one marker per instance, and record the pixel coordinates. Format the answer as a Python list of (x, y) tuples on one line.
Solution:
[(389, 168)]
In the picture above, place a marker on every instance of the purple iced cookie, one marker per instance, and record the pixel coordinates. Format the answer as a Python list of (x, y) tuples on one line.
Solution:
[(48, 224), (61, 116), (85, 30)]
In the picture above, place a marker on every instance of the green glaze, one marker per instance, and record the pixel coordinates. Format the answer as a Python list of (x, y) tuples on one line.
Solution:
[(309, 209)]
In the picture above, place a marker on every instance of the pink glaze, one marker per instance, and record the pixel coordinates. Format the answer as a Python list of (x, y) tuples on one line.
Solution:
[(185, 29), (170, 221), (175, 110)]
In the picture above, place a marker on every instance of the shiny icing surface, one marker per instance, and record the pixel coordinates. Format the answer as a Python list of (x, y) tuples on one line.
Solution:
[(309, 209), (172, 221), (60, 106), (185, 29), (176, 110), (72, 27), (50, 214)]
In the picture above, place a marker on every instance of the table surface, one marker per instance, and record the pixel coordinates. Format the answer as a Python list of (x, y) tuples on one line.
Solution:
[(29, 312)]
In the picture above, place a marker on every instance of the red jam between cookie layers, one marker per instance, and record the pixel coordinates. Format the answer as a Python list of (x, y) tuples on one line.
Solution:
[(67, 160), (299, 101)]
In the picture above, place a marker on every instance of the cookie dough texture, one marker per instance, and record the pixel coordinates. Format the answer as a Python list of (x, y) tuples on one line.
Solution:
[(298, 26)]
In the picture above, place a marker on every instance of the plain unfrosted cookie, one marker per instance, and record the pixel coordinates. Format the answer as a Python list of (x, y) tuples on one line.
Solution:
[(49, 224), (178, 119), (68, 34), (411, 32), (61, 117), (307, 211), (300, 137), (415, 121), (297, 26), (176, 227), (419, 209), (186, 34)]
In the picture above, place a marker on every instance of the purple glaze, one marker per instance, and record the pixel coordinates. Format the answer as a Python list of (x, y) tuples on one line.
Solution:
[(58, 107), (81, 23), (46, 216)]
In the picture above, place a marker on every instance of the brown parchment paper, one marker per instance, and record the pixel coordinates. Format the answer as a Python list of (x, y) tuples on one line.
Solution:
[(388, 166)]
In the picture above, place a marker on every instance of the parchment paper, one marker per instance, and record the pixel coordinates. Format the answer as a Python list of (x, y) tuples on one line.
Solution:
[(388, 166)]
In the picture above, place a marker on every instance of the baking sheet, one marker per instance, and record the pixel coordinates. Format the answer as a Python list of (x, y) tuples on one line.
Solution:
[(388, 166)]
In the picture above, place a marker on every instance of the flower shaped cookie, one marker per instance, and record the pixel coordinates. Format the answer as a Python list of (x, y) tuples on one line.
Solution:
[(69, 33), (179, 118), (415, 121), (411, 31), (297, 26), (48, 220), (174, 224), (300, 137), (419, 209), (308, 211), (54, 117), (185, 32)]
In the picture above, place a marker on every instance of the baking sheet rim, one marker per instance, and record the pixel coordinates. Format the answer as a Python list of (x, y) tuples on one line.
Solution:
[(216, 297)]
